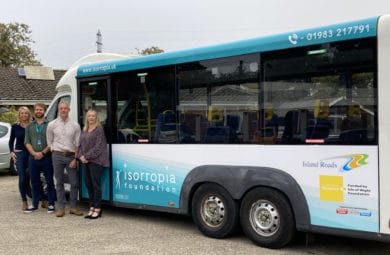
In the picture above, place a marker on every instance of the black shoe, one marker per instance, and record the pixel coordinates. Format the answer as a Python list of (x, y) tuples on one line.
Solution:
[(97, 213), (90, 212)]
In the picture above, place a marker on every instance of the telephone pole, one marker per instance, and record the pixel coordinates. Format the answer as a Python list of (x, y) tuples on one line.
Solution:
[(99, 42)]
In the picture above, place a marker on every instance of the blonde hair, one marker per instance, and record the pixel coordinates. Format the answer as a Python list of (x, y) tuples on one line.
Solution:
[(86, 124), (24, 109)]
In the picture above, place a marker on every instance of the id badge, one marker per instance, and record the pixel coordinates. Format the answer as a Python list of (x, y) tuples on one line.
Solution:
[(39, 142)]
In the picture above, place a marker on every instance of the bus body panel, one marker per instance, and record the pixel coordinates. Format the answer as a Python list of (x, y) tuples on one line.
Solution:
[(384, 121), (238, 180), (345, 31), (339, 183), (351, 233), (67, 85)]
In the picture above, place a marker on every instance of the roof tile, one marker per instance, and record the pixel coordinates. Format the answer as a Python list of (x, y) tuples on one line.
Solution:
[(15, 87)]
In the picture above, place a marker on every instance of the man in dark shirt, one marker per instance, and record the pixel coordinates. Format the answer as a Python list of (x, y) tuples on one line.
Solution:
[(40, 159)]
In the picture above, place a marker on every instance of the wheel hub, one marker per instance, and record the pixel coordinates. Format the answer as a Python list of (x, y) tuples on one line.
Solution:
[(213, 211), (264, 218)]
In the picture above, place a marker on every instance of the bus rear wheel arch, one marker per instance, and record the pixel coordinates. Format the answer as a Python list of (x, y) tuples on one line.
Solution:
[(266, 218), (214, 211)]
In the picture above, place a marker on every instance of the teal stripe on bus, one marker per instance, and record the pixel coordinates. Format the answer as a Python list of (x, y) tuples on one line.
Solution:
[(333, 33)]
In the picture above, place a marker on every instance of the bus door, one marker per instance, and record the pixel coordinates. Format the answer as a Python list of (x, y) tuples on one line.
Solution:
[(94, 94)]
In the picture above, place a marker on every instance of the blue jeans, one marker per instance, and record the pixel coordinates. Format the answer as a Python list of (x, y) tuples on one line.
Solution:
[(22, 168), (36, 167), (93, 173)]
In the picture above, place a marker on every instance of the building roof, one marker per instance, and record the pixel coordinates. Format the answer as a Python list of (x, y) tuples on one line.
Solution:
[(17, 90)]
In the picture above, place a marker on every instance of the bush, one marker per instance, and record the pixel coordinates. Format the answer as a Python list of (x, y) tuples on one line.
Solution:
[(10, 117)]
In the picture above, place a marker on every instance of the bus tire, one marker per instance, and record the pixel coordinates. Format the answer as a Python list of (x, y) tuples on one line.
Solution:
[(214, 211), (266, 218)]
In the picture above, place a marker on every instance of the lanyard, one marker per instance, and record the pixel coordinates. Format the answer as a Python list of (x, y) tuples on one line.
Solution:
[(39, 132), (39, 129)]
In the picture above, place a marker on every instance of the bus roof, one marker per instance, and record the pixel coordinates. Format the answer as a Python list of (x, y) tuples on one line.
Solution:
[(337, 32)]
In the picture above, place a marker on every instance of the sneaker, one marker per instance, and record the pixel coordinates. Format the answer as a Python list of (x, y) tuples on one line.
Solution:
[(30, 209), (50, 209)]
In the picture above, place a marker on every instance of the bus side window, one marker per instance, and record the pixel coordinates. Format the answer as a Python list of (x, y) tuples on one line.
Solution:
[(52, 112)]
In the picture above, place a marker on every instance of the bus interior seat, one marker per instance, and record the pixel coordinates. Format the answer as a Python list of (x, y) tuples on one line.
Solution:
[(352, 127), (354, 118), (121, 137), (319, 127), (318, 130), (289, 122), (217, 134), (353, 136), (166, 128), (233, 123), (192, 127), (292, 133), (215, 116), (271, 119)]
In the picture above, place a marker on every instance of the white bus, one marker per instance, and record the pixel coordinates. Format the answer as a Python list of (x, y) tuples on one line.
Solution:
[(66, 87), (275, 134)]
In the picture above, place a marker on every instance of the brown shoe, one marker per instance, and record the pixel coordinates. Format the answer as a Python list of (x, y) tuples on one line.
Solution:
[(75, 211), (24, 205), (60, 212), (44, 203)]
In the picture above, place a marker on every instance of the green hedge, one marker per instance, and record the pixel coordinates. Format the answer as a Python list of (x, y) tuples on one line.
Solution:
[(10, 117)]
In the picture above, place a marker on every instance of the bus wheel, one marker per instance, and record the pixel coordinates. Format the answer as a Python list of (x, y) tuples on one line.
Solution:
[(214, 211), (266, 218)]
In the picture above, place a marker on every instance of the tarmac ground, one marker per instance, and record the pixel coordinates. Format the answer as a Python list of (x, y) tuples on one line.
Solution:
[(126, 231)]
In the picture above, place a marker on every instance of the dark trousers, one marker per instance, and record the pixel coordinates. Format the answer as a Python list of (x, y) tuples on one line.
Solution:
[(36, 167), (22, 168), (93, 173)]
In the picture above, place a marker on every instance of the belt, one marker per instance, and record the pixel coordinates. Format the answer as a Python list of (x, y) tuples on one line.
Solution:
[(67, 154)]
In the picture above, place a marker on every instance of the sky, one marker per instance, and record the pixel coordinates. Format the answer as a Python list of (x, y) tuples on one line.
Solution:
[(65, 30)]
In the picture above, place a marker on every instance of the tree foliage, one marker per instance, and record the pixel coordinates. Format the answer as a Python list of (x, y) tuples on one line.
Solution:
[(15, 40), (149, 51), (10, 117)]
